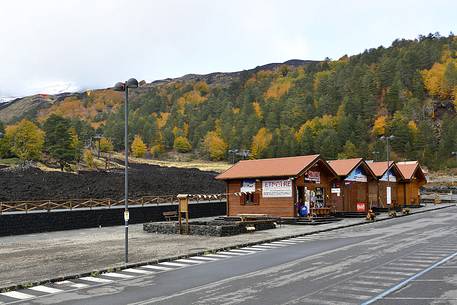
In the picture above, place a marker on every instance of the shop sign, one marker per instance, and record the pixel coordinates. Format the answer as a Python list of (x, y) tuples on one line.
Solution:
[(248, 186), (276, 188), (336, 190), (360, 207), (357, 175), (313, 176)]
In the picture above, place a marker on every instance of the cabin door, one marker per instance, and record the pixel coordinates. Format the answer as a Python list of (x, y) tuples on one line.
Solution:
[(337, 197)]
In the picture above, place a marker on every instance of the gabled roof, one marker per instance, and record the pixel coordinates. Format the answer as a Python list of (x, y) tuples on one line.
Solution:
[(344, 167), (274, 167), (410, 168), (380, 168)]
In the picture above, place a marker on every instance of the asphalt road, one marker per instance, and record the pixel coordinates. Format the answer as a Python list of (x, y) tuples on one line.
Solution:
[(350, 266)]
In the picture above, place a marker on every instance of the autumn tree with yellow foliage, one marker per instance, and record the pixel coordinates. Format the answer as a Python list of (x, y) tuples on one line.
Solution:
[(139, 149), (26, 140), (260, 142), (215, 146)]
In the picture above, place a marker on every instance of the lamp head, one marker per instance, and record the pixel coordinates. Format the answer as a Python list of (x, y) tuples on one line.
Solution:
[(132, 83), (120, 86)]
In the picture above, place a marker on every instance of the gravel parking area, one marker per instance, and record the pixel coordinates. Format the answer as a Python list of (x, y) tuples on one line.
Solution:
[(36, 257)]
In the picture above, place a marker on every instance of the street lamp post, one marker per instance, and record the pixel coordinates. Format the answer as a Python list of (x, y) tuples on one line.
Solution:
[(131, 83), (233, 152), (1, 137), (387, 138)]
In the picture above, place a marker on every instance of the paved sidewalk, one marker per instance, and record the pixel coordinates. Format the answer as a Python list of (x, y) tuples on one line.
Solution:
[(40, 257)]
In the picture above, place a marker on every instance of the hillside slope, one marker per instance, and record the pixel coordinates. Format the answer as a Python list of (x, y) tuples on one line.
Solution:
[(338, 108)]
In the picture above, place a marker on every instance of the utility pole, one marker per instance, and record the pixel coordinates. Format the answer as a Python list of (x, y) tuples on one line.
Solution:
[(388, 189)]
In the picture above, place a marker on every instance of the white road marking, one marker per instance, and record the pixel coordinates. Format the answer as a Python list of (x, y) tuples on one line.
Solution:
[(117, 275), (408, 280), (139, 271), (263, 247), (285, 241), (95, 279), (345, 295), (154, 267), (399, 264), (205, 258), (71, 284), (322, 302), (45, 289), (241, 251), (232, 253), (394, 272), (174, 264), (17, 295), (385, 278), (253, 249), (217, 255), (425, 261), (401, 268), (427, 257), (275, 245), (190, 261), (282, 242), (360, 289), (368, 283)]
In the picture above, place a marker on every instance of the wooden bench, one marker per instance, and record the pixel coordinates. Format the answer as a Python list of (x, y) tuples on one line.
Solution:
[(171, 215)]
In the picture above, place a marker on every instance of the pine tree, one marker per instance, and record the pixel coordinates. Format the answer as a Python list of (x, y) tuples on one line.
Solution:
[(58, 140), (349, 151)]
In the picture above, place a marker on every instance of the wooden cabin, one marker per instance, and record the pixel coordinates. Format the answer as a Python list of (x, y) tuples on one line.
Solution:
[(413, 178), (386, 188), (350, 193), (274, 186)]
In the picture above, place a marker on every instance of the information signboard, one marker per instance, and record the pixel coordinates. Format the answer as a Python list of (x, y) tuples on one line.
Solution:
[(276, 188)]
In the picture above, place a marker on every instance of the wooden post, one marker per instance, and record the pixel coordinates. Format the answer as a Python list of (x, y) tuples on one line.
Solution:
[(183, 208)]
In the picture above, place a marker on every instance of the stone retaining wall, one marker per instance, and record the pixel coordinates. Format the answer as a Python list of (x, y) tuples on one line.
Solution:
[(212, 228)]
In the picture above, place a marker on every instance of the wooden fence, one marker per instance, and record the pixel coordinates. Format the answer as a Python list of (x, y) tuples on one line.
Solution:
[(70, 204)]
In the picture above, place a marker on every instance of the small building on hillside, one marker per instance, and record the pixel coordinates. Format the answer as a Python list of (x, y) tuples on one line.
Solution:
[(278, 186), (389, 177), (413, 178), (350, 193)]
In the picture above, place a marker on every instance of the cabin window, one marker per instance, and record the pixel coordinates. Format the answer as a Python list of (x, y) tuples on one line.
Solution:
[(249, 198)]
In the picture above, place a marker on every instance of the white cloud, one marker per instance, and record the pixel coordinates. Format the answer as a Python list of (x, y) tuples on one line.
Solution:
[(92, 44)]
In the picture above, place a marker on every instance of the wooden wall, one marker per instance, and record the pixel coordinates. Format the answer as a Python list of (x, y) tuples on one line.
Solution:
[(284, 207), (353, 193), (408, 192), (382, 189), (272, 206)]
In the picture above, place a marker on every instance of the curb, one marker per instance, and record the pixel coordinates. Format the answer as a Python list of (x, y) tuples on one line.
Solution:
[(198, 253)]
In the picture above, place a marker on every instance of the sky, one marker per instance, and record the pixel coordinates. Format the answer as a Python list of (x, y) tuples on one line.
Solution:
[(48, 46)]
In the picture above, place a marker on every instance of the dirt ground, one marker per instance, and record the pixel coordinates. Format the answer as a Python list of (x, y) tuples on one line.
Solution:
[(144, 179)]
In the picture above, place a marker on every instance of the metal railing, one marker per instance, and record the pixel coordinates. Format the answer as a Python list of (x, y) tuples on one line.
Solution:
[(71, 204)]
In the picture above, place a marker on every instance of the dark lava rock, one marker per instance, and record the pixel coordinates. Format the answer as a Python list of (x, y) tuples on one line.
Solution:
[(144, 180)]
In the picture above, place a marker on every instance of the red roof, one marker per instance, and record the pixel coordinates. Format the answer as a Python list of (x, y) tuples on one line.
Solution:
[(409, 168), (274, 167), (344, 167), (379, 168)]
